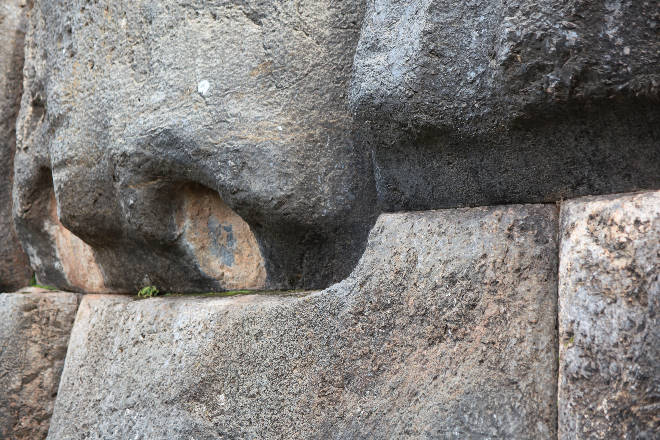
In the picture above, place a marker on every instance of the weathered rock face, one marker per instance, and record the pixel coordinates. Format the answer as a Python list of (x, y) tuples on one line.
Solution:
[(609, 297), (14, 266), (34, 332), (446, 329), (135, 116), (492, 101), (481, 63)]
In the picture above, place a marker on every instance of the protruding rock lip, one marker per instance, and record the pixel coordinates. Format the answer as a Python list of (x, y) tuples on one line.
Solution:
[(144, 98)]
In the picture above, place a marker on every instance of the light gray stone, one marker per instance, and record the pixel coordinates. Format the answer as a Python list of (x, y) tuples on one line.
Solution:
[(15, 270), (492, 101), (609, 299), (446, 329), (34, 331), (133, 113)]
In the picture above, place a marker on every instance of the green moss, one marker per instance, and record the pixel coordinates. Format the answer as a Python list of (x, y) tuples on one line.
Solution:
[(41, 286), (239, 293), (34, 283), (148, 292)]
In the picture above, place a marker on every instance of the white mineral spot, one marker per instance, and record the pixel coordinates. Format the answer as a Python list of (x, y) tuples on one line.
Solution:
[(571, 38), (626, 50), (279, 128), (203, 87)]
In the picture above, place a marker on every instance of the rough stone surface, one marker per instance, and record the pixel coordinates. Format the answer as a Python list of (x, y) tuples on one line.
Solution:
[(482, 63), (493, 101), (446, 329), (14, 266), (133, 114), (34, 331), (609, 299)]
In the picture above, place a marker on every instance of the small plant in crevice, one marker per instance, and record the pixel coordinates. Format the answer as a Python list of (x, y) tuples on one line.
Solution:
[(34, 283), (148, 292)]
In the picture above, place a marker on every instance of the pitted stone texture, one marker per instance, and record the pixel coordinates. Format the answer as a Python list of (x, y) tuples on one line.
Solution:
[(614, 151), (15, 271), (136, 113), (446, 329), (490, 102), (34, 332), (609, 298)]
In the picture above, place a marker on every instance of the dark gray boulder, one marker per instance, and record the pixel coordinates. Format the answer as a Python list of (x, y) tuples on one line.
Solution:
[(134, 113), (492, 101), (445, 329), (15, 271)]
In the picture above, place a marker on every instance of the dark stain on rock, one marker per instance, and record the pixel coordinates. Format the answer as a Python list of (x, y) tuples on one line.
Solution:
[(223, 240)]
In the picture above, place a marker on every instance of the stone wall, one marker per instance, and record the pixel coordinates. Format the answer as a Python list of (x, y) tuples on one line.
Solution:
[(452, 325), (365, 219), (447, 327)]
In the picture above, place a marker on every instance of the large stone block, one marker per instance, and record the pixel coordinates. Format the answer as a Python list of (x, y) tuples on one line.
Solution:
[(197, 146), (492, 101), (15, 271), (609, 298), (482, 63), (446, 329), (34, 332)]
